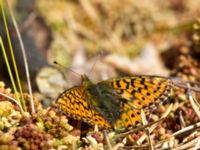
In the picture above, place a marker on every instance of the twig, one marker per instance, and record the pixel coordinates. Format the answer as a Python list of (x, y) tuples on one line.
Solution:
[(24, 57)]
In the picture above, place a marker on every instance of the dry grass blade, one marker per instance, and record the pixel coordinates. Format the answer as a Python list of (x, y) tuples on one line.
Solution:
[(181, 119), (178, 82), (187, 129), (191, 128), (145, 122), (107, 140), (188, 145), (13, 100), (197, 146), (143, 137), (192, 102)]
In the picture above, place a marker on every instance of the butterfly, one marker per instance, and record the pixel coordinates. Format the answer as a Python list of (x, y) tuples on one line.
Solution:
[(115, 103)]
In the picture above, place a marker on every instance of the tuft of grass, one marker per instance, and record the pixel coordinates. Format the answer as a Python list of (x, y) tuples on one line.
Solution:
[(11, 77), (24, 59), (22, 101)]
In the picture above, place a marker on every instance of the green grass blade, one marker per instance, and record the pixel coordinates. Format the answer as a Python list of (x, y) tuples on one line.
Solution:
[(14, 62), (8, 68)]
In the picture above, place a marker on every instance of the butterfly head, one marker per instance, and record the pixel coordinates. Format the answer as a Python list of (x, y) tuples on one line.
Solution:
[(86, 81)]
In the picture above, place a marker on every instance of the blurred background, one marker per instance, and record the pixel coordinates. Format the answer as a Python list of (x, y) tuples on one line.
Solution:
[(118, 38)]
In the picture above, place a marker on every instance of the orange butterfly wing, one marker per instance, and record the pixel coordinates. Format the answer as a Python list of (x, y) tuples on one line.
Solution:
[(74, 103), (139, 92)]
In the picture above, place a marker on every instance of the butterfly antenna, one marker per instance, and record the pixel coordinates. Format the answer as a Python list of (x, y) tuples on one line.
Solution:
[(96, 60), (55, 62)]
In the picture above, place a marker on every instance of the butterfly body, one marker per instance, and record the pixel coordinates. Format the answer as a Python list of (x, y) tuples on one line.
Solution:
[(114, 103), (103, 99)]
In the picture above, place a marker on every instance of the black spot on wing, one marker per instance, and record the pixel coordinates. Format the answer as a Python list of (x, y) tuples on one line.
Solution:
[(118, 83), (127, 83), (132, 82), (142, 81)]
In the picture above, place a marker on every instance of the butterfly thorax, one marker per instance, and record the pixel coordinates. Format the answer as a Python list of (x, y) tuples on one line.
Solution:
[(103, 99)]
